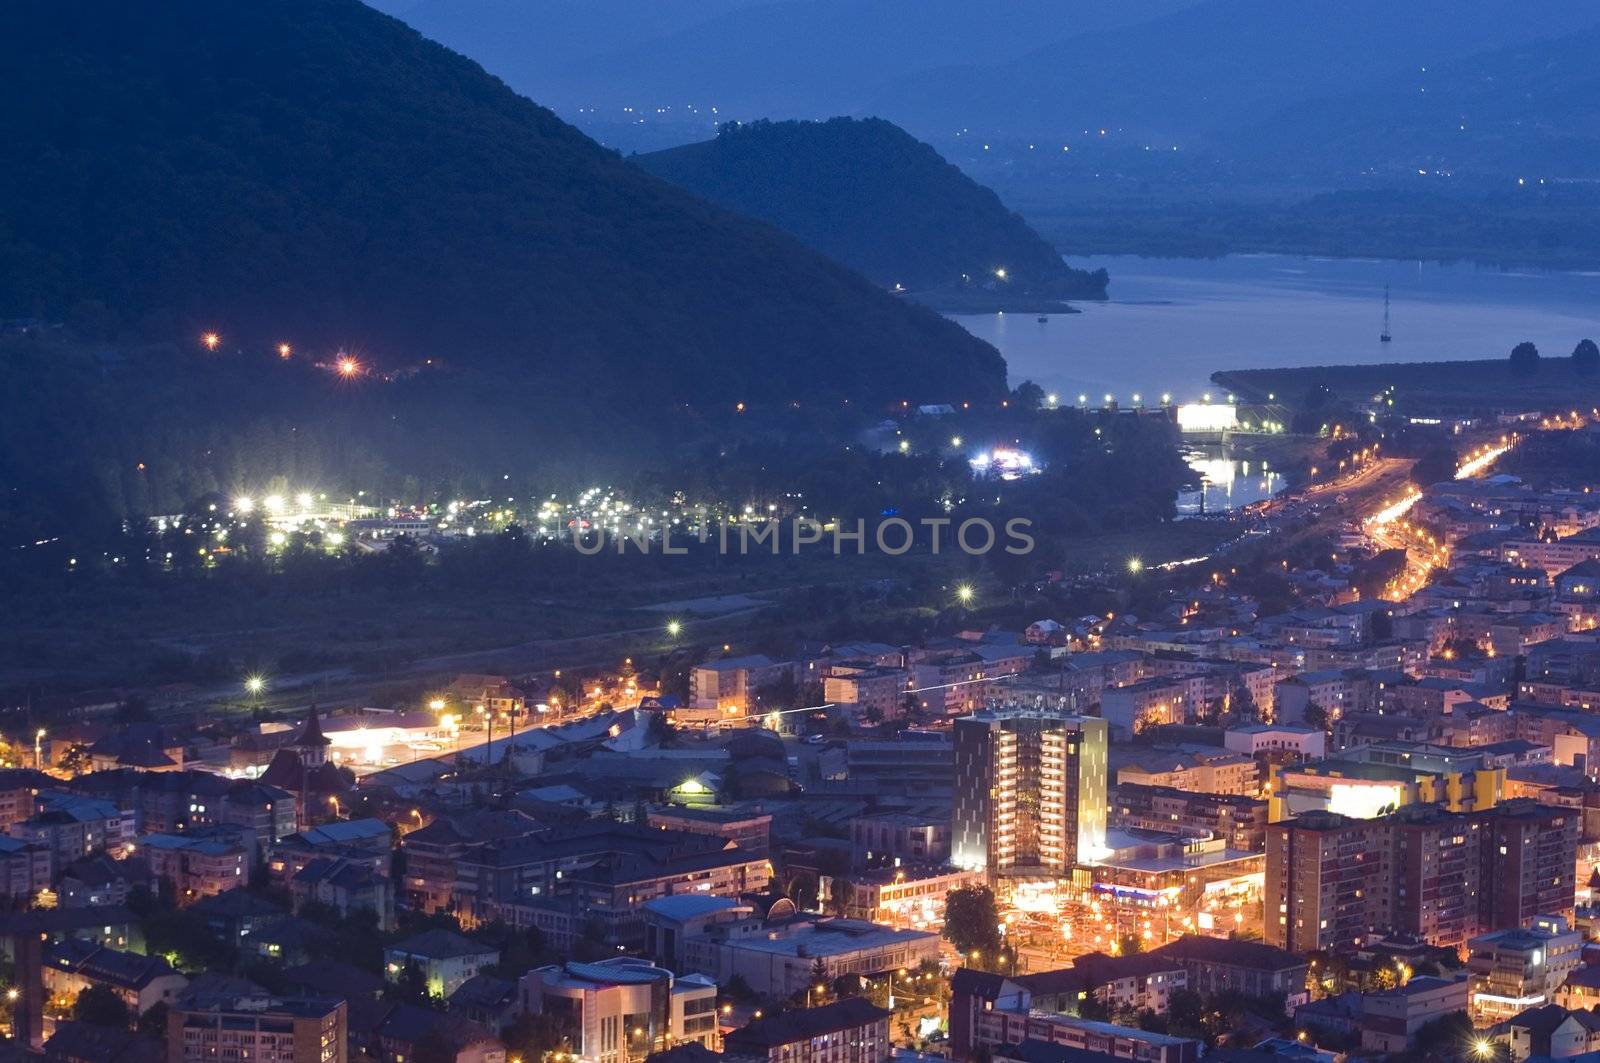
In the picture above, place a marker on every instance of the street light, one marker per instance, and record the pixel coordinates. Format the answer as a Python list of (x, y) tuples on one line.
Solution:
[(1135, 565), (674, 628), (964, 593), (255, 684)]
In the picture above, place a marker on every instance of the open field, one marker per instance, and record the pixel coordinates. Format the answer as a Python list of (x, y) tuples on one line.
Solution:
[(198, 637)]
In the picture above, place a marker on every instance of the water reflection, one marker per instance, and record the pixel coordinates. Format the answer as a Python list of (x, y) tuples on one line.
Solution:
[(1227, 482)]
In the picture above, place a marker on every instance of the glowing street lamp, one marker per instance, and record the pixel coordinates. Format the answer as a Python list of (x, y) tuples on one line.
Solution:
[(674, 628), (348, 366), (964, 593), (1135, 565), (284, 350), (255, 684), (211, 340)]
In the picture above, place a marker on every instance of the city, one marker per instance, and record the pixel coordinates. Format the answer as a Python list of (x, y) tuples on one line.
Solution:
[(734, 531), (1338, 826)]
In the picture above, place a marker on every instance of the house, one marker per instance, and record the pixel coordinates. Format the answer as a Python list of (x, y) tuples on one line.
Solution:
[(70, 967), (288, 939), (1391, 1019), (82, 1042), (346, 885), (1045, 633), (407, 1024), (1552, 1030), (147, 746), (1216, 965), (446, 960), (97, 881), (330, 978), (236, 913), (486, 999)]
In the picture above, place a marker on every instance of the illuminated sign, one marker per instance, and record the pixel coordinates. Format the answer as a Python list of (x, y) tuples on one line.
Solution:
[(1364, 801)]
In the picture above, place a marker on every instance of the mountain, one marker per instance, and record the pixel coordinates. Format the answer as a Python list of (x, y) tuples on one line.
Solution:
[(317, 173), (1527, 110), (672, 61), (1213, 67), (870, 195)]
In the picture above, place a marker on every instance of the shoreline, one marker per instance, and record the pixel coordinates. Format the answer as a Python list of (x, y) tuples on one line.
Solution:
[(1458, 385)]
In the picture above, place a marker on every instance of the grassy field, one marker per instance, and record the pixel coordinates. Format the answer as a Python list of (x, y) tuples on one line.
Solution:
[(198, 638)]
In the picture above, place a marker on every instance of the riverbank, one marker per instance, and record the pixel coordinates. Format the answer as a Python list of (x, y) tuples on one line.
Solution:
[(949, 301), (1445, 387)]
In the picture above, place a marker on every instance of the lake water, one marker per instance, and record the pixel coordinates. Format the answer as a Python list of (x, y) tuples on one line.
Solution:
[(1171, 323)]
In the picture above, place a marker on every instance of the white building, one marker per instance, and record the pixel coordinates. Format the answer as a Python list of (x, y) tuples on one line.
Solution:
[(625, 1008), (784, 960), (1513, 970)]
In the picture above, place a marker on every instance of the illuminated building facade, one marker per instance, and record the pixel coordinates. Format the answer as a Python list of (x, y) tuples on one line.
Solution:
[(1445, 877), (1030, 791), (1521, 968)]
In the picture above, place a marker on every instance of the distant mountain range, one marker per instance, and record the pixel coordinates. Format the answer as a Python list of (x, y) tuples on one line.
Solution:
[(749, 58), (1260, 87), (870, 195), (1531, 109), (314, 172)]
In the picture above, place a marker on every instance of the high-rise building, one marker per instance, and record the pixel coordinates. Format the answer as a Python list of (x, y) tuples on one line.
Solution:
[(1030, 790), (1321, 870), (1444, 876)]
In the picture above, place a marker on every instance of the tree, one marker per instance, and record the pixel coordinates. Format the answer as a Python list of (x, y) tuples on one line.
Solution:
[(1028, 395), (840, 893), (433, 1047), (99, 1005), (1438, 465), (972, 923), (803, 891), (75, 759), (531, 1036), (153, 1023), (1586, 357), (1316, 716), (411, 987), (819, 973), (1524, 359)]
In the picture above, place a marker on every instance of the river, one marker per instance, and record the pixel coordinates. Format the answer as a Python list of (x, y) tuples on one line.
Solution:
[(1171, 323)]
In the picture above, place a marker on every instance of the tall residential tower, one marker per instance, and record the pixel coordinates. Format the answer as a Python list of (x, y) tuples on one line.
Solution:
[(1030, 791)]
